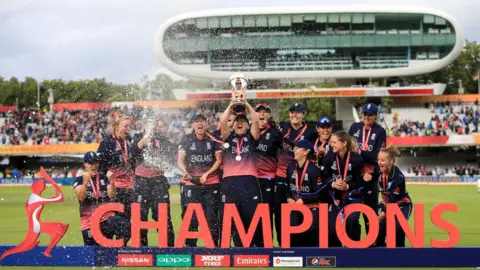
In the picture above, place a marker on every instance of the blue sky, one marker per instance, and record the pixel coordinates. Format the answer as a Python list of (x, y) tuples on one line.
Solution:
[(113, 39)]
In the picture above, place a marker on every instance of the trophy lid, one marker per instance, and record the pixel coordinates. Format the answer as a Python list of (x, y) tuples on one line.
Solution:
[(238, 81)]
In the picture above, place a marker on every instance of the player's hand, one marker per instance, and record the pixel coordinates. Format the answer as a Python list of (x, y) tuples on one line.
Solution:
[(299, 201), (367, 177), (109, 175), (341, 185), (86, 176), (187, 177), (204, 178), (290, 200), (322, 151), (381, 216)]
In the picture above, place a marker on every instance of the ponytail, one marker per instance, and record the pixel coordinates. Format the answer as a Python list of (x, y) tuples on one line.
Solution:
[(392, 152)]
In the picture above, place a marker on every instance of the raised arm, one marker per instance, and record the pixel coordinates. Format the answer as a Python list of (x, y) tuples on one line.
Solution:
[(255, 128), (225, 131)]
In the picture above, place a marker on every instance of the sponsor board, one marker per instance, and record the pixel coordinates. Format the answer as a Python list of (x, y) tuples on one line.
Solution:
[(287, 261), (320, 262), (135, 260), (251, 261), (212, 260), (181, 260)]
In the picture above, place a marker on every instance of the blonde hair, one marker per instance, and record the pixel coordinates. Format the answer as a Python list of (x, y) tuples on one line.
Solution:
[(345, 137), (392, 152)]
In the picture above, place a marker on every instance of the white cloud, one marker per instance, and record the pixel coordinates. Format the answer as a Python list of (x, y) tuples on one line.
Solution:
[(114, 38)]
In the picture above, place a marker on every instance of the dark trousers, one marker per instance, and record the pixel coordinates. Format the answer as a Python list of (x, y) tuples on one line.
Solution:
[(280, 197), (209, 197), (244, 192), (117, 225), (267, 188), (149, 192), (399, 233), (333, 212), (370, 198), (125, 197)]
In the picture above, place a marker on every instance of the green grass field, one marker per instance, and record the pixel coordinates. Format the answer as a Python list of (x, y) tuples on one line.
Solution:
[(14, 222)]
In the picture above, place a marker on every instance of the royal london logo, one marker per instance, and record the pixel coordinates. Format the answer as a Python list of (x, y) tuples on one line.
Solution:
[(36, 226)]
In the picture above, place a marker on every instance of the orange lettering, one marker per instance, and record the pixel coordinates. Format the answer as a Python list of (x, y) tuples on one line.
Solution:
[(453, 232), (204, 230), (372, 233), (95, 225), (161, 225), (261, 213), (417, 239), (287, 229)]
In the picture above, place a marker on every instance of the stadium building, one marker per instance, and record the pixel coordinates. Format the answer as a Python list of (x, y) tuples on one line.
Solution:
[(312, 42), (364, 49)]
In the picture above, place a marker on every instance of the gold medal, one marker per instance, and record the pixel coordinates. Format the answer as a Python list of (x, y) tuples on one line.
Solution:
[(226, 145)]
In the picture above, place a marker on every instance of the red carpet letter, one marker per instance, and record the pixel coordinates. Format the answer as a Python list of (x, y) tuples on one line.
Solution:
[(95, 225), (372, 233), (323, 225), (230, 212), (453, 232), (287, 229), (417, 239), (204, 230), (161, 225)]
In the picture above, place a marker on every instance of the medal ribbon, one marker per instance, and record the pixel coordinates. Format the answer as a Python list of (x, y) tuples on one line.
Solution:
[(124, 154), (213, 138), (299, 134), (365, 140), (316, 143), (384, 184), (265, 130), (157, 143), (302, 176), (239, 146), (345, 169), (95, 189)]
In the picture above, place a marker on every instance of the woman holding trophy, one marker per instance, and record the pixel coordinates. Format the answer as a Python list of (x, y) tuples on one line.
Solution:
[(239, 184)]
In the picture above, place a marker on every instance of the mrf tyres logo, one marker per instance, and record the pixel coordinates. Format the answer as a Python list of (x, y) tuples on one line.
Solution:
[(36, 226), (320, 262), (212, 260)]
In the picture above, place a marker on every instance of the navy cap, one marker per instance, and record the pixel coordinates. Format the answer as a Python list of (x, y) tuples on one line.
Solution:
[(90, 157), (297, 107), (262, 106), (324, 121), (240, 117), (305, 144), (370, 108)]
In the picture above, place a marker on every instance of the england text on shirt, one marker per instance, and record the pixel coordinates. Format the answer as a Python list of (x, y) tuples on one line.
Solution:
[(239, 156), (334, 166), (306, 183), (200, 157)]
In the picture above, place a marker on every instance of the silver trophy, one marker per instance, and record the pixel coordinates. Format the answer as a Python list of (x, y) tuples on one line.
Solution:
[(239, 92)]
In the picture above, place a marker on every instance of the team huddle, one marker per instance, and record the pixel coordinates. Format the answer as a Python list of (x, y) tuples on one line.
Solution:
[(249, 160)]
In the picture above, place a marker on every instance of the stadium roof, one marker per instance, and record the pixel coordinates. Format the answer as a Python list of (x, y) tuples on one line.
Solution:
[(453, 41)]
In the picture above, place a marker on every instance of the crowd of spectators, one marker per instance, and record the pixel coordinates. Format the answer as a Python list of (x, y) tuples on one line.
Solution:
[(446, 119), (33, 127), (422, 170)]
